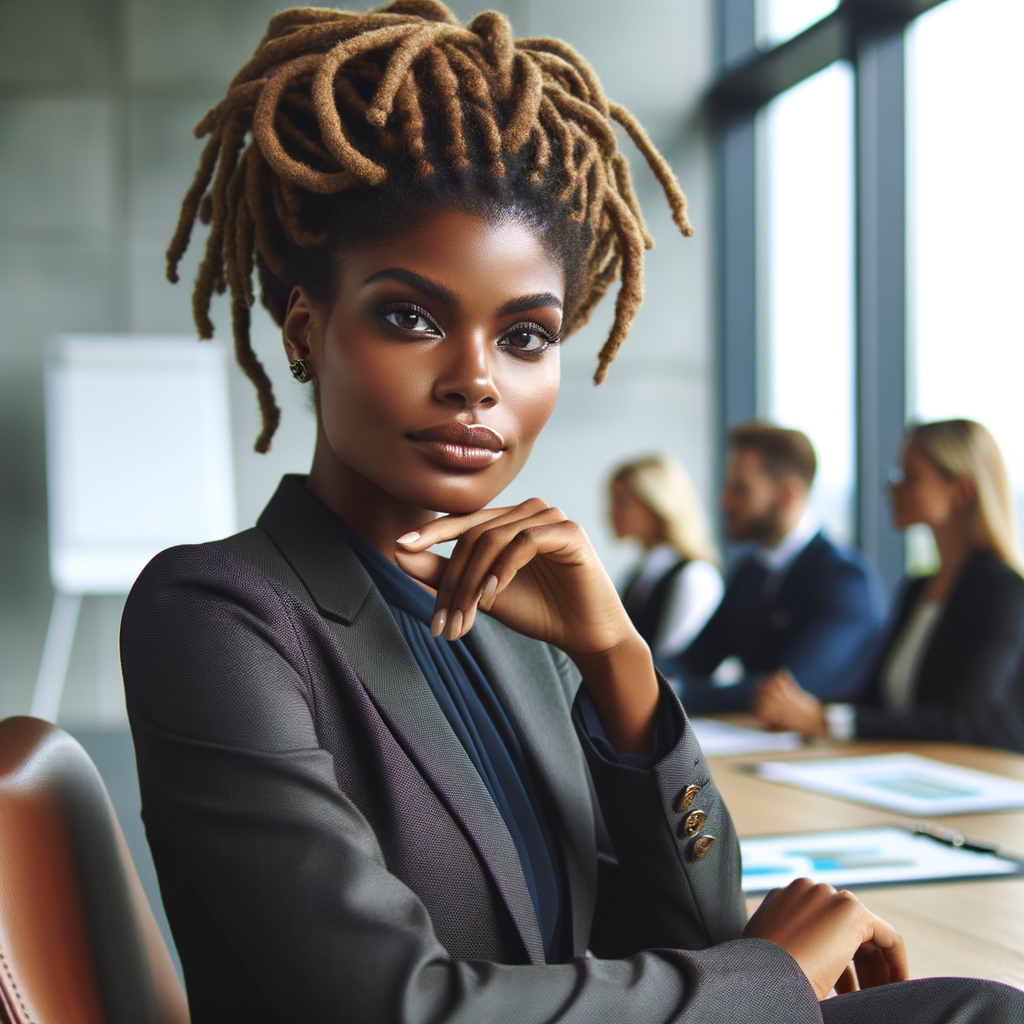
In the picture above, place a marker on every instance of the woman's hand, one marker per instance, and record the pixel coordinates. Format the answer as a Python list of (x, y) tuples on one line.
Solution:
[(780, 703), (537, 572), (826, 931)]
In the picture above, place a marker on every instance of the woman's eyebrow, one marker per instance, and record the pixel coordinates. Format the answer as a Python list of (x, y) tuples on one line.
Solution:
[(525, 302), (422, 284)]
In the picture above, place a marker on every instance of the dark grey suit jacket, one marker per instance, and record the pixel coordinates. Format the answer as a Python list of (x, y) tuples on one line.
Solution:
[(327, 852), (965, 690)]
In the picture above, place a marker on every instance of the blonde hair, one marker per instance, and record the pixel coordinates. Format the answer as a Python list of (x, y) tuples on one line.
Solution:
[(665, 488), (963, 448)]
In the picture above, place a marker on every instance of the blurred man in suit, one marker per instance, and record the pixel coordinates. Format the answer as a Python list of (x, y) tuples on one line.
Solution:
[(794, 600)]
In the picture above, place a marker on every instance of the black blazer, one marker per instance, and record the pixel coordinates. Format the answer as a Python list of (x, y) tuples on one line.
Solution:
[(964, 689), (327, 852), (821, 621)]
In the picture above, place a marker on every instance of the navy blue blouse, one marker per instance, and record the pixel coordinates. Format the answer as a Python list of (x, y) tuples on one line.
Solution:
[(480, 722), (478, 719)]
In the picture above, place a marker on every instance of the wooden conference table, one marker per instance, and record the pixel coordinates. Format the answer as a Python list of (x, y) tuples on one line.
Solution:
[(971, 929)]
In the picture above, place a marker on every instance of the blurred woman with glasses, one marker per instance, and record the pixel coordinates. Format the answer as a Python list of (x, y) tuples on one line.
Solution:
[(946, 669)]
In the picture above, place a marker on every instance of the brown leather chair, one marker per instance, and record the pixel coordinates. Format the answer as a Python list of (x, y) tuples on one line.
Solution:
[(78, 941)]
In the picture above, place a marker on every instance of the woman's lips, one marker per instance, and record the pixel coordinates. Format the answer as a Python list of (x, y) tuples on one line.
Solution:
[(460, 446)]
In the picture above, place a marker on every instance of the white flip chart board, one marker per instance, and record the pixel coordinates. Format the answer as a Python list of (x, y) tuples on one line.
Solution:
[(138, 454)]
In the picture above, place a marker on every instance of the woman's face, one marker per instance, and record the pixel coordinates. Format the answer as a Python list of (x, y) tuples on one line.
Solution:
[(924, 495), (630, 516), (437, 365)]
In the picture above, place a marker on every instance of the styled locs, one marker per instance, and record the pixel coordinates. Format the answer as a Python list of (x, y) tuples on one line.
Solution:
[(343, 105)]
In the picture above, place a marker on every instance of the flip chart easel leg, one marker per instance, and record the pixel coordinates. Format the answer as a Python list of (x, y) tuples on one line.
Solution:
[(53, 668)]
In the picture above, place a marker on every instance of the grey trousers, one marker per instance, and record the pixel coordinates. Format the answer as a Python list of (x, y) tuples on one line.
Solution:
[(929, 1001)]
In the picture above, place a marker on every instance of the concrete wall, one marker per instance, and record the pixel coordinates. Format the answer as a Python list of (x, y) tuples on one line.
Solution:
[(97, 100)]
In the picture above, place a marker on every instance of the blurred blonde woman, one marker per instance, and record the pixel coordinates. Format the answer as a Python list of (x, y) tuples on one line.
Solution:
[(945, 672), (676, 587)]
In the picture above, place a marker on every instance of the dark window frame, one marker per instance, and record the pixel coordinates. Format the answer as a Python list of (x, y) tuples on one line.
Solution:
[(870, 35)]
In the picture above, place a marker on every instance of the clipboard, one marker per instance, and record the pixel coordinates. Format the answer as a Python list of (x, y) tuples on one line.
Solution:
[(870, 857)]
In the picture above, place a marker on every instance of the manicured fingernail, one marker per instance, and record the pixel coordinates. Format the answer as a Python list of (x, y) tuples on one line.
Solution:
[(454, 625), (487, 594), (408, 538), (438, 621)]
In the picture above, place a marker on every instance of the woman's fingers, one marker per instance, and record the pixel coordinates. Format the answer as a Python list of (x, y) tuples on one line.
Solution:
[(872, 967), (424, 566), (491, 547), (466, 576), (884, 956), (496, 563), (465, 530), (490, 560), (847, 981), (823, 930), (452, 527)]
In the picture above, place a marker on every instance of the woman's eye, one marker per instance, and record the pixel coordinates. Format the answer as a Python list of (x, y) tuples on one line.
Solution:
[(410, 320), (526, 341)]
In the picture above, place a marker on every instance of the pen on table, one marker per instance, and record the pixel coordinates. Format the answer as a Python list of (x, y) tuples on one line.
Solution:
[(948, 837)]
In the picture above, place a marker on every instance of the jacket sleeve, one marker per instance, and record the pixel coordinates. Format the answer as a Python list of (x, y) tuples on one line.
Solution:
[(988, 681), (661, 891), (838, 635), (290, 874), (693, 667), (828, 652)]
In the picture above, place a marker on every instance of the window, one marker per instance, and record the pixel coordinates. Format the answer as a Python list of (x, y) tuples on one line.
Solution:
[(966, 207), (806, 319), (779, 20)]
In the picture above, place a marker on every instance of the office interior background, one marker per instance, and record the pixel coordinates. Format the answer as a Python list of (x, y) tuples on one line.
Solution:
[(853, 171)]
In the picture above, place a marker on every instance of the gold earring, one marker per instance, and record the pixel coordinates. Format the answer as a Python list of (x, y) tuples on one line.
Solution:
[(299, 371)]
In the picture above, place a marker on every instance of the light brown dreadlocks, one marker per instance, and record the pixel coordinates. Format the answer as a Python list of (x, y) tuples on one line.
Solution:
[(335, 100)]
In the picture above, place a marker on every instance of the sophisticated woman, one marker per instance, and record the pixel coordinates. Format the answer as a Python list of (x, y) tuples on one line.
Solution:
[(676, 587), (946, 671), (373, 782)]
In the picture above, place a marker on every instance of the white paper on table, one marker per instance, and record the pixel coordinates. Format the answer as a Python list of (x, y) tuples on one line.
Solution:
[(721, 739), (904, 783), (861, 857)]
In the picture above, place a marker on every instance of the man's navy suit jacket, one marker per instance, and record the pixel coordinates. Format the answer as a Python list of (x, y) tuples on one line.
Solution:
[(821, 619)]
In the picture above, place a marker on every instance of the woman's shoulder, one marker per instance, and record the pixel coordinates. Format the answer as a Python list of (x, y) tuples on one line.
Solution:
[(229, 589), (219, 567), (986, 571), (211, 649)]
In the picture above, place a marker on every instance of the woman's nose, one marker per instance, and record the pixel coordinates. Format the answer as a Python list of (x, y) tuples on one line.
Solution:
[(467, 377)]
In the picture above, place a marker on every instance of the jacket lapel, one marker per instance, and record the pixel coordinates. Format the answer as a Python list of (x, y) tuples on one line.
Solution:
[(516, 666), (306, 533)]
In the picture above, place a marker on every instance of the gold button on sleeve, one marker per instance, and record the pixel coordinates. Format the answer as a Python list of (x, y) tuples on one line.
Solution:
[(701, 847), (686, 798), (692, 824)]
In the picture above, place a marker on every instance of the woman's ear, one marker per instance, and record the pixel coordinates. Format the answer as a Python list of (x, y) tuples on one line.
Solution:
[(300, 325), (965, 492)]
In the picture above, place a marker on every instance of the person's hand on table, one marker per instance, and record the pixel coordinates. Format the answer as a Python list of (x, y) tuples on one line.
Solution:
[(837, 942), (780, 703)]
